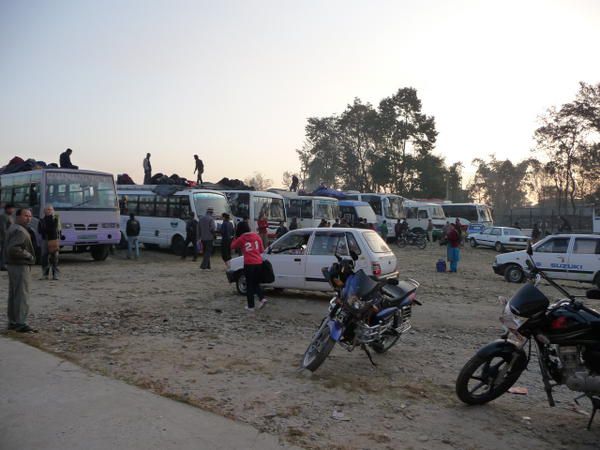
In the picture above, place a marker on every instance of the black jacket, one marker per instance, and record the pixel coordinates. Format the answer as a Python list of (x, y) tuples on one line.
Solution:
[(132, 228)]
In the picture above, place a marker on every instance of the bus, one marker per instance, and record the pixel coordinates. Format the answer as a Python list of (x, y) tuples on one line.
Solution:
[(418, 215), (254, 204), (469, 214), (309, 210), (388, 207), (353, 211), (163, 215), (85, 201)]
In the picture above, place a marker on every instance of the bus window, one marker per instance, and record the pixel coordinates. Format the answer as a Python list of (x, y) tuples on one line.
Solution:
[(306, 209), (185, 209), (146, 205), (393, 208), (123, 205), (161, 206), (423, 214), (374, 201), (325, 210), (295, 208), (239, 204)]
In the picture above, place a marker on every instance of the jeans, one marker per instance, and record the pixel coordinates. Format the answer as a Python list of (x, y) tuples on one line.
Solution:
[(133, 243), (194, 243), (253, 272), (453, 257), (208, 248), (49, 260)]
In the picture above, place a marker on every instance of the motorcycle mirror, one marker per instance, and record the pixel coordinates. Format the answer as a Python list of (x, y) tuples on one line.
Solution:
[(593, 294)]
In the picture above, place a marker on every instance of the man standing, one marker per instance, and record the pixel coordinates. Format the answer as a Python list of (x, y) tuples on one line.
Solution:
[(6, 220), (199, 168), (65, 160), (132, 229), (20, 256), (49, 231), (191, 235), (207, 235), (430, 231), (147, 169), (294, 185), (226, 239)]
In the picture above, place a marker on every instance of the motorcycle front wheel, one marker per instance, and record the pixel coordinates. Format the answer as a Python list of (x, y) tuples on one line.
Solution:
[(421, 243), (484, 379), (402, 242), (319, 348)]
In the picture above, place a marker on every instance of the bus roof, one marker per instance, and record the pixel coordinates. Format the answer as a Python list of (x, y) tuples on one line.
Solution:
[(353, 203), (245, 191), (149, 188), (57, 169)]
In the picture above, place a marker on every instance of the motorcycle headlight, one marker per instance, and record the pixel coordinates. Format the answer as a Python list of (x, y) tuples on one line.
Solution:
[(512, 322)]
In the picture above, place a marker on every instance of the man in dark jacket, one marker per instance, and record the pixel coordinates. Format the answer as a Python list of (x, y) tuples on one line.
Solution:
[(20, 256), (191, 236), (65, 160), (208, 229), (6, 220), (227, 233), (132, 229), (199, 168)]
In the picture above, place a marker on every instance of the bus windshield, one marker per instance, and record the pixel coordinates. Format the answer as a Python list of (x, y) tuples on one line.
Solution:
[(65, 190), (486, 214), (395, 209), (437, 213), (205, 200), (468, 212), (269, 207), (326, 210)]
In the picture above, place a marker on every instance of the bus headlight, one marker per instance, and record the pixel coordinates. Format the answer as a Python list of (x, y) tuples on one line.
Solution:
[(110, 225)]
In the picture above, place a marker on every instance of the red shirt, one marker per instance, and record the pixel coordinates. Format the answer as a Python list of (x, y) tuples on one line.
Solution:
[(263, 226), (453, 238), (251, 246)]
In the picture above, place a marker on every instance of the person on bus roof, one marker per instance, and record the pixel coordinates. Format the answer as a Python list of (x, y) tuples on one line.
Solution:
[(65, 160)]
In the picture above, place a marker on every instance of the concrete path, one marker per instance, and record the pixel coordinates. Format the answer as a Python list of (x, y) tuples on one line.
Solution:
[(48, 403)]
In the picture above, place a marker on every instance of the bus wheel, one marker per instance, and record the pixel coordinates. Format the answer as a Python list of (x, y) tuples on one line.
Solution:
[(177, 245), (100, 252)]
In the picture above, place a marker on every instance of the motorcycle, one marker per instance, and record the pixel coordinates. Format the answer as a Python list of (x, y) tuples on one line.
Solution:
[(364, 312), (417, 239), (566, 336)]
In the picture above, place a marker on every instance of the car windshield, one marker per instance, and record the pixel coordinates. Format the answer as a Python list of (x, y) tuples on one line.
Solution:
[(375, 243)]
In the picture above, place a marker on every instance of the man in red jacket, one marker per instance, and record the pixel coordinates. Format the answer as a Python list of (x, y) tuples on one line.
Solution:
[(252, 248)]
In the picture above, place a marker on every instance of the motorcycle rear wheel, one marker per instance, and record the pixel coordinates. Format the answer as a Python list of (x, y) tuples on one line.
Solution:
[(402, 242), (490, 378), (319, 348), (421, 243)]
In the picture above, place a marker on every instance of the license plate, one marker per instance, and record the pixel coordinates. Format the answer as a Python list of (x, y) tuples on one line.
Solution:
[(88, 237)]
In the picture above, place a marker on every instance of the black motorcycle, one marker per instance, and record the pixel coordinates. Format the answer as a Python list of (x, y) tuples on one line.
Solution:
[(566, 336), (364, 312), (417, 239)]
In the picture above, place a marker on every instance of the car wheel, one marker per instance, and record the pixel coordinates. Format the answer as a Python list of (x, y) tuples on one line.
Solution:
[(473, 242), (240, 284), (499, 247), (513, 274)]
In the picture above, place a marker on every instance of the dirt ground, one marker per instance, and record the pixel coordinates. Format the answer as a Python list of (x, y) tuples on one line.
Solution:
[(167, 326)]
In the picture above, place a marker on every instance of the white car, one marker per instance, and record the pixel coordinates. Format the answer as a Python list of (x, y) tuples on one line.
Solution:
[(500, 238), (299, 256), (561, 256)]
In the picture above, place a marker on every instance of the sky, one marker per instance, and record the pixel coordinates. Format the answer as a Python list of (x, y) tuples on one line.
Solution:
[(235, 81)]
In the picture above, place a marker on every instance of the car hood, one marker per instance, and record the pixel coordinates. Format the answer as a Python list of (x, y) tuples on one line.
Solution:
[(518, 256)]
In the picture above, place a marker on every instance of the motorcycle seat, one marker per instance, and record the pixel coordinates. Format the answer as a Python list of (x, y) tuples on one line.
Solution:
[(384, 313)]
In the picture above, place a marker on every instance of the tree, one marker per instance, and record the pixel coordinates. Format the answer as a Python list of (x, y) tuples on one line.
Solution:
[(500, 183), (258, 182)]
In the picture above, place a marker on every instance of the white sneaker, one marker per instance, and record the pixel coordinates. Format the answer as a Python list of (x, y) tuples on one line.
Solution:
[(262, 303), (250, 310)]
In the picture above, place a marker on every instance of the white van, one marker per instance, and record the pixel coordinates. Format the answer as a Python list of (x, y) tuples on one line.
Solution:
[(561, 256), (163, 218), (253, 204), (418, 215), (469, 213), (388, 207)]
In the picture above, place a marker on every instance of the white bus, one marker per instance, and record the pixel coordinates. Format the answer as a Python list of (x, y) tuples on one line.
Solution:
[(469, 214), (388, 207), (419, 213), (254, 204), (85, 201), (163, 218)]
